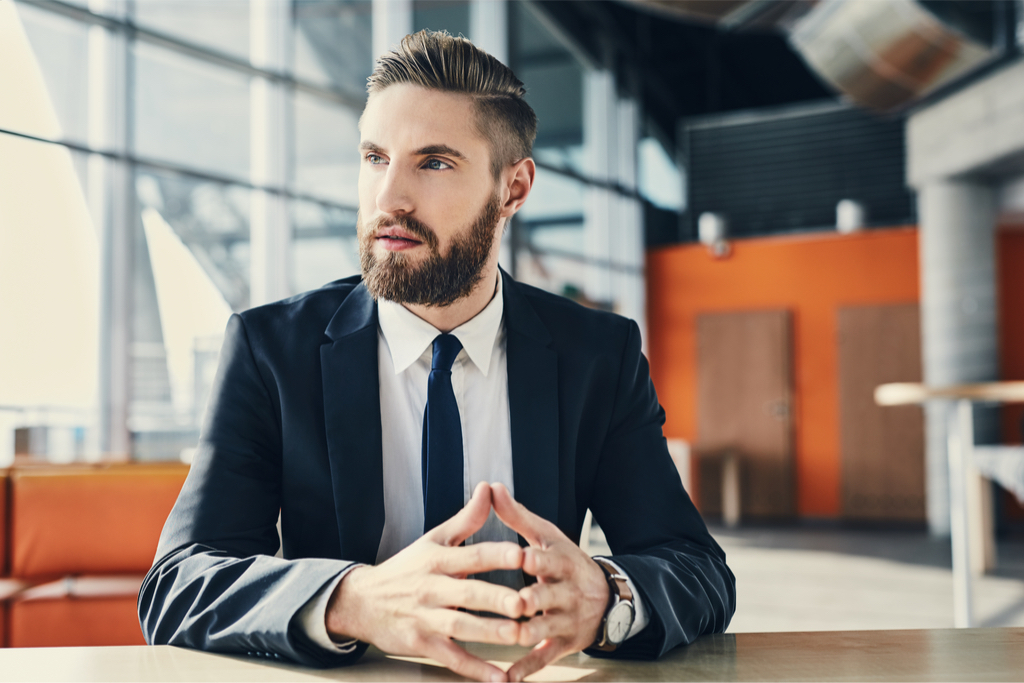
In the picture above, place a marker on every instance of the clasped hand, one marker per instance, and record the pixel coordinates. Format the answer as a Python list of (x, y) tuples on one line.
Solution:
[(414, 603)]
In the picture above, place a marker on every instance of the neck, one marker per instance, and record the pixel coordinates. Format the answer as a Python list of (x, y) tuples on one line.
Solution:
[(447, 318)]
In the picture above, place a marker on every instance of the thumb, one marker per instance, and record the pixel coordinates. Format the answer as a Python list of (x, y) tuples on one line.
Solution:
[(536, 530), (466, 521)]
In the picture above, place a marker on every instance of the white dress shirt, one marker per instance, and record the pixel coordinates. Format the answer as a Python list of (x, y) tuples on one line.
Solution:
[(480, 383)]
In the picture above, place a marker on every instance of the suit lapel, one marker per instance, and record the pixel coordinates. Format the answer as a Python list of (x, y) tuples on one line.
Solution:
[(533, 404), (352, 419)]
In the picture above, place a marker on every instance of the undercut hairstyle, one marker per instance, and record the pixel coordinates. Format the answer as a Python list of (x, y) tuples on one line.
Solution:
[(439, 61)]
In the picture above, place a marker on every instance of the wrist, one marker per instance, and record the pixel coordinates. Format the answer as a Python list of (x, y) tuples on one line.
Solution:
[(599, 599), (343, 609)]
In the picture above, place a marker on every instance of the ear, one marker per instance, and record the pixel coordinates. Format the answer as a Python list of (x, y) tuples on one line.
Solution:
[(517, 180)]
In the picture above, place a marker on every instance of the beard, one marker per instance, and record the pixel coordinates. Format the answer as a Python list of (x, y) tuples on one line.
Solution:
[(440, 280)]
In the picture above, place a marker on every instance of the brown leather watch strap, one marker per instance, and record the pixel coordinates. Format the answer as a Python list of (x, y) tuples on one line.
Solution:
[(618, 591)]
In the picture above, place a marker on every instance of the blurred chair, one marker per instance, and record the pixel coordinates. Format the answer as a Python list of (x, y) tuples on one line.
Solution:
[(971, 467), (3, 525), (8, 586), (82, 538)]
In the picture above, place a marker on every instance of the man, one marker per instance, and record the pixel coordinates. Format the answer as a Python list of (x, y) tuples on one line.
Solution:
[(390, 419)]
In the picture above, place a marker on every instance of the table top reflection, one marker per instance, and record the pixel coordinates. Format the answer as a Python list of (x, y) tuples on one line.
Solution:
[(926, 655)]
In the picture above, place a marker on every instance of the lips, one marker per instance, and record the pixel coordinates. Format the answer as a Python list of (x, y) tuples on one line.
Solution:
[(396, 233), (395, 238)]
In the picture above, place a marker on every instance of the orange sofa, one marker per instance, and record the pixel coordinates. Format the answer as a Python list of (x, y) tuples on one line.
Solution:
[(78, 540)]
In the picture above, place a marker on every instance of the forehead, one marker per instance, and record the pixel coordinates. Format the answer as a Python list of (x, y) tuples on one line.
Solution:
[(406, 115)]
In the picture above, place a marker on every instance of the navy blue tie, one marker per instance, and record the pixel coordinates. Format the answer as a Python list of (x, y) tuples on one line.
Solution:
[(442, 438)]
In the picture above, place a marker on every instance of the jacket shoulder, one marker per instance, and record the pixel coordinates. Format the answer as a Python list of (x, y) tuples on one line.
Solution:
[(313, 309), (567, 319)]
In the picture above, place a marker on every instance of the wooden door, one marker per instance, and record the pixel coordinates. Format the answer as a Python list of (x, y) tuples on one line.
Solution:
[(882, 448), (744, 393)]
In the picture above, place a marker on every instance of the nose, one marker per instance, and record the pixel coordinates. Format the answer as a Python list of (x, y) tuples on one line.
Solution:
[(394, 194)]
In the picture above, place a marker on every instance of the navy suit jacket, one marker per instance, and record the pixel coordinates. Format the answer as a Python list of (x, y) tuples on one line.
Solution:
[(294, 426)]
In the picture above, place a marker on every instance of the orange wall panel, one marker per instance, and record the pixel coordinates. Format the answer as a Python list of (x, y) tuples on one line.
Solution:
[(812, 276), (89, 520), (74, 622)]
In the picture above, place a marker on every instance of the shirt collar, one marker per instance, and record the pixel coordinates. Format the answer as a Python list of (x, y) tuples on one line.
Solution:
[(409, 336)]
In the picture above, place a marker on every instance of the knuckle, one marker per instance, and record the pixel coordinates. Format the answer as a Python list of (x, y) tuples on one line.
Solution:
[(427, 594), (417, 641), (451, 623)]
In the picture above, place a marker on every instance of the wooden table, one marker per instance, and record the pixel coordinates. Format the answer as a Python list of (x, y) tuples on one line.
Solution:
[(937, 655)]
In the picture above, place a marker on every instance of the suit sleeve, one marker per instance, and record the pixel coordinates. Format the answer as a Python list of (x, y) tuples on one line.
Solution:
[(655, 533), (215, 584)]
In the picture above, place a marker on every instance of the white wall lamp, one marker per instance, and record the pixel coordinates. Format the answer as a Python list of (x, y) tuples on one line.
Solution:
[(711, 230), (851, 216)]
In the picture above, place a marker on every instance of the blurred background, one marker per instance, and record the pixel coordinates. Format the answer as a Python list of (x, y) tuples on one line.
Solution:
[(797, 200)]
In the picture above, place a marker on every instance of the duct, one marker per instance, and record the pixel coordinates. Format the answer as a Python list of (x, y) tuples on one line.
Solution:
[(884, 55), (731, 14)]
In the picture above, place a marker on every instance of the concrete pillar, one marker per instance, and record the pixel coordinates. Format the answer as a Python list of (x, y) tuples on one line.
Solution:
[(958, 312)]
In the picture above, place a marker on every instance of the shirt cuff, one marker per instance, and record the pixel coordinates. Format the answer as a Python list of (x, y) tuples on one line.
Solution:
[(313, 616), (640, 614)]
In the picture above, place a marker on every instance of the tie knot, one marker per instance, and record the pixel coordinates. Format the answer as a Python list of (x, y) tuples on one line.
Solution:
[(446, 348)]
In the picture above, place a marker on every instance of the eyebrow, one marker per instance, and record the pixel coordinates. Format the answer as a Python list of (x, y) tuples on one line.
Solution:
[(422, 151), (440, 149)]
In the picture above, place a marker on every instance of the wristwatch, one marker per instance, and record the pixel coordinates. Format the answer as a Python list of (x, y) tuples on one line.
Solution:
[(618, 618)]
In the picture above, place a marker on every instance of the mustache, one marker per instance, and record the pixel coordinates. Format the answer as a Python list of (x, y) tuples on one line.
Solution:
[(413, 226)]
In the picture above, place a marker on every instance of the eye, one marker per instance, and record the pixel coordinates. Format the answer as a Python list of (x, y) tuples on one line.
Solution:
[(437, 165), (374, 159)]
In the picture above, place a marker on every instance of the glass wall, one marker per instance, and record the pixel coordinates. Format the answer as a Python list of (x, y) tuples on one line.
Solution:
[(168, 163)]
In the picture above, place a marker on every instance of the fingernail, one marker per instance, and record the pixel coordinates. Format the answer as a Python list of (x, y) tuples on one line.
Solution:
[(508, 632), (497, 678), (512, 556)]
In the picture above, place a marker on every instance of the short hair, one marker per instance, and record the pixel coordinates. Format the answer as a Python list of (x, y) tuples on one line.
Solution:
[(439, 61)]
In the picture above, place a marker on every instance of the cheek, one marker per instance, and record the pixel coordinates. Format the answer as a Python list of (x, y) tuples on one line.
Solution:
[(363, 184)]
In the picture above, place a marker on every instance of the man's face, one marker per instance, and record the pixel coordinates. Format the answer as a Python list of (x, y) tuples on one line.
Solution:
[(428, 203)]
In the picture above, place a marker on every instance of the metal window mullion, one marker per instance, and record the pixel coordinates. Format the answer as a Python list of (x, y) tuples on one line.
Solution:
[(112, 201), (627, 233), (598, 130), (270, 229), (142, 162), (392, 20), (488, 27), (193, 50)]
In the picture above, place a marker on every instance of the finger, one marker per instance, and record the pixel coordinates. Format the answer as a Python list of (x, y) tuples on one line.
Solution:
[(551, 563), (473, 629), (460, 661), (536, 530), (558, 625), (545, 653), (542, 597), (478, 596), (466, 521), (477, 558)]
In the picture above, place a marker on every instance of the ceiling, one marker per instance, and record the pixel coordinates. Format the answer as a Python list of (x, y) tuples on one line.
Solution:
[(679, 69)]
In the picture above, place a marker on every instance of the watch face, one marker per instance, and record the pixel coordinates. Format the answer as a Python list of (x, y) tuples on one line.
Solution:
[(620, 619)]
